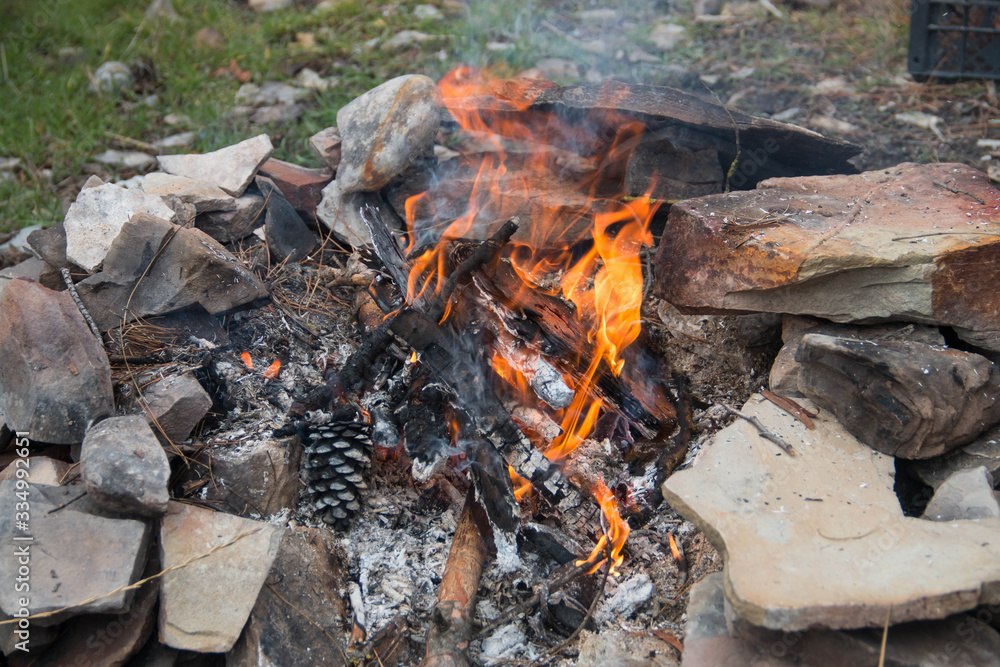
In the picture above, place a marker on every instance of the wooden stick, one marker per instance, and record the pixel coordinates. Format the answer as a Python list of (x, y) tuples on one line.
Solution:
[(71, 288), (451, 617)]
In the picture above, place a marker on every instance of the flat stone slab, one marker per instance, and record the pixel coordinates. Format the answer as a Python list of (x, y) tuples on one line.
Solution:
[(913, 242), (205, 604), (94, 220), (203, 196), (177, 403), (230, 168), (73, 555), (818, 540)]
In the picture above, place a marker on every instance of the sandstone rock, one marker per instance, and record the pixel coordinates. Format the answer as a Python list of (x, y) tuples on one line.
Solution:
[(75, 555), (228, 226), (308, 574), (385, 130), (97, 216), (967, 494), (174, 406), (326, 145), (879, 245), (340, 213), (302, 187), (41, 470), (231, 168), (192, 268), (204, 606), (124, 467), (910, 400), (984, 451), (288, 238), (202, 196), (55, 379), (784, 377), (819, 540), (100, 639), (666, 171), (256, 480)]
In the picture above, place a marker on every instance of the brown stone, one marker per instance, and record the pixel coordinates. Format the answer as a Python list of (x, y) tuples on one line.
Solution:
[(55, 379), (41, 470), (326, 146), (902, 243), (301, 186), (174, 405), (907, 399)]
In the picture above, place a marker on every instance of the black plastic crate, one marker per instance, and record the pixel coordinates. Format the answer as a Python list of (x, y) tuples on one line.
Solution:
[(956, 40)]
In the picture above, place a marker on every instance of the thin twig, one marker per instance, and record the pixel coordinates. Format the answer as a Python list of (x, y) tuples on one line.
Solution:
[(885, 637), (71, 288), (121, 589), (66, 504), (519, 609), (761, 429), (959, 191)]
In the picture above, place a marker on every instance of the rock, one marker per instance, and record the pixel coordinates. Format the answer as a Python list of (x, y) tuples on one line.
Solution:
[(405, 39), (308, 574), (50, 245), (41, 470), (984, 451), (672, 172), (126, 159), (113, 78), (202, 196), (967, 494), (274, 114), (907, 399), (819, 540), (204, 605), (288, 238), (75, 555), (385, 130), (231, 168), (209, 39), (326, 145), (713, 637), (179, 140), (667, 36), (784, 378), (99, 639), (175, 405), (98, 214), (269, 5), (191, 269), (625, 649), (270, 93), (340, 213), (124, 467), (30, 268), (161, 10), (308, 78), (427, 13), (257, 480), (55, 379), (38, 636), (229, 226), (302, 187), (867, 247)]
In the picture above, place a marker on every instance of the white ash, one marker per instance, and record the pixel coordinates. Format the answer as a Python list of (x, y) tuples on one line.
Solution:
[(626, 599), (507, 643), (508, 559)]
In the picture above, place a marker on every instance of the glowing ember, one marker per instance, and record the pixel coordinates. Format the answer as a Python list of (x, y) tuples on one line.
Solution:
[(247, 361), (272, 371), (617, 531)]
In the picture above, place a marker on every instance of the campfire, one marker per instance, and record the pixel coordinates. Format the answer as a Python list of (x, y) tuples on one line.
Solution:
[(432, 408)]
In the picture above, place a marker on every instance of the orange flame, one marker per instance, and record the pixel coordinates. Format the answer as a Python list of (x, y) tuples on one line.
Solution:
[(247, 361), (522, 487), (617, 532), (272, 371)]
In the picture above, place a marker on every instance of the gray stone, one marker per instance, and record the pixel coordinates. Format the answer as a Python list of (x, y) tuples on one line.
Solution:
[(967, 494), (124, 467), (340, 213), (326, 145), (30, 268), (618, 648), (231, 168), (179, 140), (667, 36), (910, 400), (229, 226), (666, 171), (113, 78), (202, 196), (98, 214), (984, 451), (288, 238), (125, 159), (819, 540), (191, 268), (707, 641), (174, 405), (385, 130), (41, 470), (75, 555), (204, 605), (305, 583), (55, 379), (270, 93), (269, 5)]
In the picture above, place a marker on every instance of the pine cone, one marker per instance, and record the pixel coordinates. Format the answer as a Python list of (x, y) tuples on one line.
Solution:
[(336, 458)]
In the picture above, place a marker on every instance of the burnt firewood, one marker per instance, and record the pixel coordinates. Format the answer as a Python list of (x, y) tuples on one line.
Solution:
[(425, 432)]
